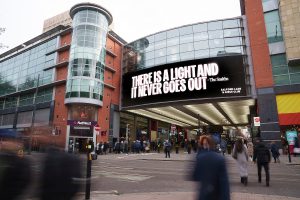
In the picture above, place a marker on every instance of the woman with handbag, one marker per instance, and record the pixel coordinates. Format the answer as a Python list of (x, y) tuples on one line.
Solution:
[(240, 153)]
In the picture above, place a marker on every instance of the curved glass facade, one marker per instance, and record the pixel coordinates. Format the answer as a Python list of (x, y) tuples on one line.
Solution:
[(87, 56), (196, 41)]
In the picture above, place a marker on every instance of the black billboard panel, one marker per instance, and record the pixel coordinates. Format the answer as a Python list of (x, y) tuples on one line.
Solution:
[(206, 78)]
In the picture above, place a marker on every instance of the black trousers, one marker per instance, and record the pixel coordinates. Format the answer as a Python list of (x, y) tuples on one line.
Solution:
[(266, 167), (167, 153)]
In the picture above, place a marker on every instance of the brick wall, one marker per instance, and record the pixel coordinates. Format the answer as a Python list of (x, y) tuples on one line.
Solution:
[(259, 44)]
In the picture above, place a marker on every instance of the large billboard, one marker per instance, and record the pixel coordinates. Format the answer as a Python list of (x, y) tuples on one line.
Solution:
[(205, 78)]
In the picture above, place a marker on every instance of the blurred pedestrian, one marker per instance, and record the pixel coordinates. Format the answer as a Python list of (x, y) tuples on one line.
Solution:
[(250, 150), (205, 144), (262, 157), (15, 170), (211, 172), (167, 148), (240, 153), (60, 175), (275, 152)]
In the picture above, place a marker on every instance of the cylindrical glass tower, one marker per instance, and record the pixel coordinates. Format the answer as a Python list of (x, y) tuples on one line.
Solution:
[(87, 56)]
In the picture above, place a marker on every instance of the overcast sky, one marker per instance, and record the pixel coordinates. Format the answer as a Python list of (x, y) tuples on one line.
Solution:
[(133, 19)]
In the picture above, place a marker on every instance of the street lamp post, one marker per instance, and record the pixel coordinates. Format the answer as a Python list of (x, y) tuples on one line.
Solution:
[(33, 114)]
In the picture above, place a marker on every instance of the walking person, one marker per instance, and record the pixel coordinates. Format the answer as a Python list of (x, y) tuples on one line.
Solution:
[(240, 153), (211, 172), (167, 148), (262, 157), (250, 150), (275, 152)]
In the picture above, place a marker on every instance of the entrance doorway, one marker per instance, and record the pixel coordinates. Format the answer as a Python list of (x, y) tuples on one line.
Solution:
[(78, 144)]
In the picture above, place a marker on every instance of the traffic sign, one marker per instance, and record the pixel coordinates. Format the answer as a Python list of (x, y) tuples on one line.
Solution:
[(256, 121)]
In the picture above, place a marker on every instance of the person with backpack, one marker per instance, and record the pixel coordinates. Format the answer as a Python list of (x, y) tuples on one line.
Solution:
[(262, 157), (167, 148)]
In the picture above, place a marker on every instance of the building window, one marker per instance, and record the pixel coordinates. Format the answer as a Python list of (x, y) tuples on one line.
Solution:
[(8, 119), (25, 118), (273, 26), (26, 100)]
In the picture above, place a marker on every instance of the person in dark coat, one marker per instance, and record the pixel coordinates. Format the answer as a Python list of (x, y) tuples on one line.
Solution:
[(211, 172), (262, 157), (275, 152), (15, 169), (60, 175)]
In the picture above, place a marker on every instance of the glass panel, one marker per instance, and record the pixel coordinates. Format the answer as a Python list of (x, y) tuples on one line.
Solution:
[(186, 39), (216, 43), (149, 55), (186, 30), (202, 53), (160, 52), (281, 80), (280, 70), (173, 58), (160, 36), (200, 27), (231, 23), (160, 60), (187, 56), (232, 32), (215, 34), (236, 41), (279, 59), (149, 63), (216, 52), (24, 118), (201, 45), (273, 26), (173, 50), (200, 36), (294, 69), (186, 47), (215, 25), (173, 41), (160, 44), (234, 50), (173, 33), (295, 78)]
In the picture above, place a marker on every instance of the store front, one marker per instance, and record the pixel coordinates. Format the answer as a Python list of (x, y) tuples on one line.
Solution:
[(81, 127)]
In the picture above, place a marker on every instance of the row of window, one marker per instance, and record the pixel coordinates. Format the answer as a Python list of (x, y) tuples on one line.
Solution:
[(44, 95), (282, 73), (196, 28), (90, 16), (42, 116), (20, 72), (14, 83), (84, 88), (146, 45)]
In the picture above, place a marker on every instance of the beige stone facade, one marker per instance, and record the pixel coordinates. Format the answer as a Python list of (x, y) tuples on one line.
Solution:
[(60, 19), (290, 21)]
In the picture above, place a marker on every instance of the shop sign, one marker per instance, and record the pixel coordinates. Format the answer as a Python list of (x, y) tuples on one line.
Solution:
[(196, 79), (290, 137), (81, 123)]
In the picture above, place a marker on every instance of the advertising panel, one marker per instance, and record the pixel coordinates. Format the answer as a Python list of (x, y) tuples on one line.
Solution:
[(205, 78)]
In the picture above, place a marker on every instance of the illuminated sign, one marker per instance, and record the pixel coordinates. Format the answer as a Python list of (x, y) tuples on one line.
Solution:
[(205, 78)]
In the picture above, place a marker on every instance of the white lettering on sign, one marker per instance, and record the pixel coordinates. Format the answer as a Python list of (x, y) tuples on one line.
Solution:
[(175, 80)]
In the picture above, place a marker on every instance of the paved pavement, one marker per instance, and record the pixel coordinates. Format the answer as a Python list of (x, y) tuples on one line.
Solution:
[(151, 176), (129, 170)]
